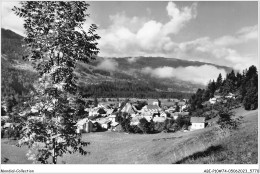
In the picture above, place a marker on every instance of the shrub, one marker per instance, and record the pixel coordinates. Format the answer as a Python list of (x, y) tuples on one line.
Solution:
[(159, 126), (2, 132), (168, 124), (144, 126), (226, 122), (182, 121), (135, 129)]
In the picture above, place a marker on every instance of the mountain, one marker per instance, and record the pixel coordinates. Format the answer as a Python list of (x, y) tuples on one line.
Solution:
[(103, 77)]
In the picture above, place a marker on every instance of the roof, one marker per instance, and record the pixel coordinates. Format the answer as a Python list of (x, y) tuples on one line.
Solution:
[(103, 121), (197, 119), (114, 124), (128, 108), (109, 111), (184, 113), (83, 121), (159, 119), (181, 103), (150, 107)]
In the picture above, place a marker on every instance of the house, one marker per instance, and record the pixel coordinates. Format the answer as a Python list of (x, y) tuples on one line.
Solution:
[(159, 119), (128, 108), (171, 109), (216, 98), (109, 111), (8, 125), (112, 117), (34, 109), (104, 122), (230, 95), (212, 100), (115, 126), (183, 107), (163, 114), (148, 117), (197, 123), (151, 109), (5, 118), (93, 112), (175, 115), (135, 121), (157, 102), (84, 126)]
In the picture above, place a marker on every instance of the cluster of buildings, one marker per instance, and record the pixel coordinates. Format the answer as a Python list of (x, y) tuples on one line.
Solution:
[(105, 117), (219, 98)]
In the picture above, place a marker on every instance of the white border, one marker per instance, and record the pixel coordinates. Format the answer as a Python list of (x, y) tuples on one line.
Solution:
[(133, 168)]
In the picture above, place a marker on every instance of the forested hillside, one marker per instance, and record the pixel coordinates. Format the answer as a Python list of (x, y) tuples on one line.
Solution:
[(244, 86), (16, 82)]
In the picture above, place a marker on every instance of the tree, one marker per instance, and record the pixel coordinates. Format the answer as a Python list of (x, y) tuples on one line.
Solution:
[(55, 42), (144, 125), (3, 112), (212, 88), (177, 109), (219, 81), (95, 102)]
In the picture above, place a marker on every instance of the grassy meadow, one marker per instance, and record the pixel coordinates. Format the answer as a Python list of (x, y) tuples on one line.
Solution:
[(204, 146)]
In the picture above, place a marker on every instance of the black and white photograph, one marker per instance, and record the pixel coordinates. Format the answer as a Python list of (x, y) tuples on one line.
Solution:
[(129, 82)]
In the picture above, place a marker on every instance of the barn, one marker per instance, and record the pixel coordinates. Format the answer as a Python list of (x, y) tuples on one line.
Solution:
[(197, 123)]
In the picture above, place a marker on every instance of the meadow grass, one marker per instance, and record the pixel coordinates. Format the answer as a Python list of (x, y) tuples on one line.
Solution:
[(206, 146)]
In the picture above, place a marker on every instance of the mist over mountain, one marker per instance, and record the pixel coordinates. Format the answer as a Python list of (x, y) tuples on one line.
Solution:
[(154, 74)]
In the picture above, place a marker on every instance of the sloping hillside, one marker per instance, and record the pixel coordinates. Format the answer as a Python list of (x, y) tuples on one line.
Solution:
[(108, 70), (201, 146)]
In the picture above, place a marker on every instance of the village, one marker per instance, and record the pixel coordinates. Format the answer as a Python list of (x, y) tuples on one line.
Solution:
[(103, 116), (157, 110)]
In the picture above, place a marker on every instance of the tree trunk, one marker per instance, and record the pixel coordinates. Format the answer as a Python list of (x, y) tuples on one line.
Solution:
[(54, 158)]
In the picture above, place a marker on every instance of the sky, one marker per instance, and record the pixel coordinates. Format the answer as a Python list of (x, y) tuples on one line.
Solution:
[(222, 33)]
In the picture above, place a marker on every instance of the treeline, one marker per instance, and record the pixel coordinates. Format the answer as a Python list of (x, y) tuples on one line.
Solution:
[(125, 89), (243, 85), (16, 83)]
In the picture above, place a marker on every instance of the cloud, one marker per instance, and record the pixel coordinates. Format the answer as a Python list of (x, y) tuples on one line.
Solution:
[(179, 17), (244, 35), (195, 74), (139, 36), (108, 65), (216, 51), (249, 32)]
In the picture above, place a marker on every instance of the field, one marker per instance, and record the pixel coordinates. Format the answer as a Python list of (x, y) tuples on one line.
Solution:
[(202, 146)]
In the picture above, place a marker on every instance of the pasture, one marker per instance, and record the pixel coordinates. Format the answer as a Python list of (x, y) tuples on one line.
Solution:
[(202, 146)]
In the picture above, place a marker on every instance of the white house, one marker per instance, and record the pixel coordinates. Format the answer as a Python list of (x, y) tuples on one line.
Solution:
[(148, 117), (163, 114), (230, 95), (183, 107), (84, 125), (197, 123), (212, 100), (93, 112), (112, 117), (151, 109), (159, 119)]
